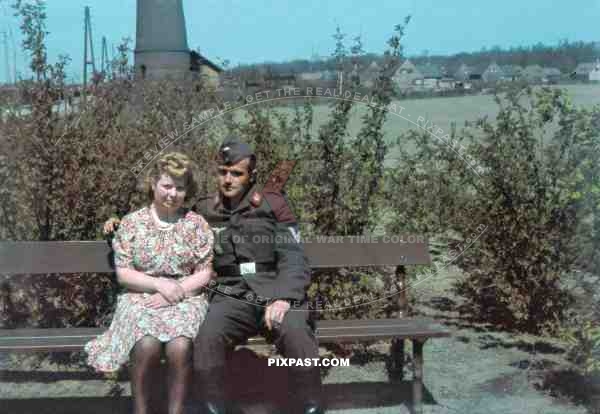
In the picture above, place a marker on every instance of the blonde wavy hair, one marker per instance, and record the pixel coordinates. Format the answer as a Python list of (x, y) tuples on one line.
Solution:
[(175, 165)]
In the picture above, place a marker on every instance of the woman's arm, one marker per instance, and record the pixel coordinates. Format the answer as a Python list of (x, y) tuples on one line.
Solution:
[(136, 281), (140, 282), (193, 283)]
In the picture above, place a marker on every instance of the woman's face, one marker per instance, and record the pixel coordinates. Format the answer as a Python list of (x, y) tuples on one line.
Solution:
[(169, 192)]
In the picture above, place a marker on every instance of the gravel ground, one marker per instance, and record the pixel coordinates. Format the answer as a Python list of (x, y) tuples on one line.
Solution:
[(477, 370)]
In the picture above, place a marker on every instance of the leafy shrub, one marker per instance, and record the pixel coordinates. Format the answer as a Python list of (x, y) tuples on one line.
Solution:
[(584, 341), (530, 179)]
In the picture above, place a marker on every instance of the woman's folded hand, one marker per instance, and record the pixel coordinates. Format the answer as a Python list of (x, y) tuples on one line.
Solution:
[(156, 301), (170, 290)]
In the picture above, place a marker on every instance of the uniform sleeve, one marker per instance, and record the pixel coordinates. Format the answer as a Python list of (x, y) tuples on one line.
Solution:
[(293, 272), (280, 206), (204, 247), (122, 243)]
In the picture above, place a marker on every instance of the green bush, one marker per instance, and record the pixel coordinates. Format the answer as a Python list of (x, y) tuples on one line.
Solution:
[(584, 342), (530, 178)]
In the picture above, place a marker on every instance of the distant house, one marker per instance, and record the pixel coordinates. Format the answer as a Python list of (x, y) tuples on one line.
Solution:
[(594, 75), (533, 73), (493, 73), (276, 80), (409, 75), (551, 75), (330, 75), (462, 73), (447, 83), (254, 83), (583, 70), (469, 73), (310, 76), (406, 75), (208, 71), (511, 73), (477, 73), (229, 79), (431, 75)]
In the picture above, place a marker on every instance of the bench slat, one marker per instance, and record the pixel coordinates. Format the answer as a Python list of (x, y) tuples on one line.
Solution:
[(73, 339), (94, 256)]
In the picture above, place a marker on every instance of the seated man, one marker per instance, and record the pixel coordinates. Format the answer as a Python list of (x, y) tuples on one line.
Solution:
[(261, 271)]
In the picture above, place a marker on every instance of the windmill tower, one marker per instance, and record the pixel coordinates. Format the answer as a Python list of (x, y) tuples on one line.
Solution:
[(161, 48)]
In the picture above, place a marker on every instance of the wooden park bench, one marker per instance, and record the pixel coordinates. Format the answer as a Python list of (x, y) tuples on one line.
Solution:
[(94, 257)]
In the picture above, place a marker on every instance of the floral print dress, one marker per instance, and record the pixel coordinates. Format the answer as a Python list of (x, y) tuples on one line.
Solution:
[(141, 244)]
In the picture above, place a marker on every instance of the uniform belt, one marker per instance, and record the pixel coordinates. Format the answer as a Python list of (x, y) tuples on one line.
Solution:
[(234, 270)]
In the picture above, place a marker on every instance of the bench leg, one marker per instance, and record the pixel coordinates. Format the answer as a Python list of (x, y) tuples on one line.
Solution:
[(397, 360), (418, 375)]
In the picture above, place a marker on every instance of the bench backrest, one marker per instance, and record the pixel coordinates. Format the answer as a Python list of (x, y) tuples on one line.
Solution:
[(326, 252)]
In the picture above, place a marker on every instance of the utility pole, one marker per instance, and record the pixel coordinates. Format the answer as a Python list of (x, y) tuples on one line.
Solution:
[(6, 64), (14, 46), (104, 60), (87, 54)]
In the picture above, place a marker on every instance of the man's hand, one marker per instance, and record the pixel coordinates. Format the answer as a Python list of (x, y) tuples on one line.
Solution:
[(156, 301), (275, 313), (110, 226), (170, 289)]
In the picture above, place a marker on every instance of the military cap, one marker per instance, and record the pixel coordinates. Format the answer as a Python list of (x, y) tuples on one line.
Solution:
[(232, 151)]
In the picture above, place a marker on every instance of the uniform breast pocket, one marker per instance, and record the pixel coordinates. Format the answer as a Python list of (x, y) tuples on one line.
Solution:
[(261, 239)]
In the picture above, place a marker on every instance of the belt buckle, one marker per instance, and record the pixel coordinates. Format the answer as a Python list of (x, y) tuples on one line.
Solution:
[(247, 268)]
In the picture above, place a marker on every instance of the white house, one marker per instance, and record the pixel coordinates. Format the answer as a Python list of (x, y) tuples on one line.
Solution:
[(594, 74)]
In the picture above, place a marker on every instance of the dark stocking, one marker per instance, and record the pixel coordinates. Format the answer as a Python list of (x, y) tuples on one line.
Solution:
[(179, 360), (145, 366)]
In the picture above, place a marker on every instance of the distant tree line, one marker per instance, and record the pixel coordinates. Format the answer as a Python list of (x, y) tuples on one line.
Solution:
[(564, 56)]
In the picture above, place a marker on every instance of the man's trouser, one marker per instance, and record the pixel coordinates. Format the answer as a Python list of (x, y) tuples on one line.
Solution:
[(231, 321)]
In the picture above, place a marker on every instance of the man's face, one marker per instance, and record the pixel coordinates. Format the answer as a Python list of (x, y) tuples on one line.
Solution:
[(234, 179)]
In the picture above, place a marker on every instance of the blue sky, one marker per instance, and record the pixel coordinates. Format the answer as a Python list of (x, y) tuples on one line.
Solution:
[(246, 31)]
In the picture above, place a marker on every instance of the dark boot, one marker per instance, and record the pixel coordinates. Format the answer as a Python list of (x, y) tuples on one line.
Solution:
[(312, 408), (205, 407), (211, 390), (305, 391), (212, 407)]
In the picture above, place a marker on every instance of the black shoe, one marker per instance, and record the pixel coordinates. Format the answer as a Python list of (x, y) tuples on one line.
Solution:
[(312, 408), (211, 407), (305, 391)]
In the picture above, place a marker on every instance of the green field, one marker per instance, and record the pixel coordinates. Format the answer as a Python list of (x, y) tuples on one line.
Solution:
[(444, 111)]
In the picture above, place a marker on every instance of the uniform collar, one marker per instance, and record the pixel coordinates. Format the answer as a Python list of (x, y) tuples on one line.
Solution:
[(243, 204)]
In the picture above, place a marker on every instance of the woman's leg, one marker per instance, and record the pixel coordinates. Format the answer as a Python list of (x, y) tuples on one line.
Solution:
[(179, 363), (145, 365)]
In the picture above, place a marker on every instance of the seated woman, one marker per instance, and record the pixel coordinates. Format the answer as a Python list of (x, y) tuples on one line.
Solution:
[(163, 257)]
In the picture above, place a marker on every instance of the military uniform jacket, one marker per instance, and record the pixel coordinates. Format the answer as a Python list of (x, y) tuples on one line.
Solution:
[(261, 230)]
